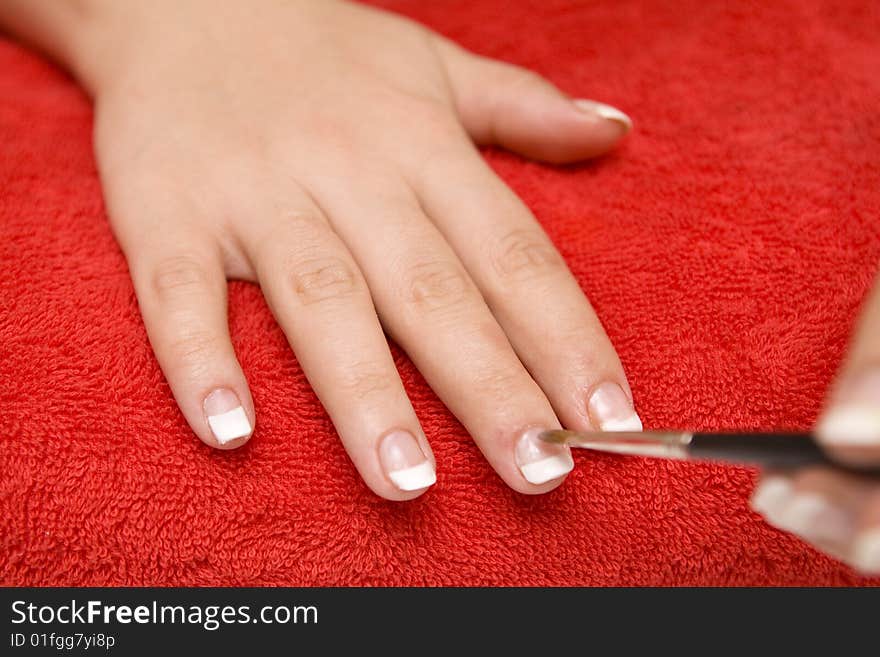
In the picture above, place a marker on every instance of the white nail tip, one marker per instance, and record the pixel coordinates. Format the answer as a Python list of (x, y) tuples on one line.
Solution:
[(866, 552), (854, 425), (230, 425), (631, 423), (552, 467), (771, 495), (605, 111), (414, 478)]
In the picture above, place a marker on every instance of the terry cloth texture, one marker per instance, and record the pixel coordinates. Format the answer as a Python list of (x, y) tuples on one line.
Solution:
[(726, 247)]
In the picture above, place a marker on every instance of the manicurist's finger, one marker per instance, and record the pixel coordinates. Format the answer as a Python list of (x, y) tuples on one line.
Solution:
[(850, 425), (431, 307), (515, 108), (838, 513), (181, 289), (319, 297), (530, 291)]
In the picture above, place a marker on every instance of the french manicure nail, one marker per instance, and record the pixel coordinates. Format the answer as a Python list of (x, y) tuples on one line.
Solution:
[(541, 462), (405, 463), (611, 410), (226, 417), (604, 111), (866, 552)]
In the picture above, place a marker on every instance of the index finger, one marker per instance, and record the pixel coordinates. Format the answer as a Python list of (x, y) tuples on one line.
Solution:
[(850, 426)]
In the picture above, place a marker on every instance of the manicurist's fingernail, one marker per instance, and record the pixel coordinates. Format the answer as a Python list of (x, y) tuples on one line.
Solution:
[(809, 515), (226, 416), (405, 463), (540, 461), (604, 111), (855, 419), (611, 410), (815, 518), (866, 552), (771, 496)]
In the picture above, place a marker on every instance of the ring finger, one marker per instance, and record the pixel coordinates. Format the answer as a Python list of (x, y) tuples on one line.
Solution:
[(530, 290)]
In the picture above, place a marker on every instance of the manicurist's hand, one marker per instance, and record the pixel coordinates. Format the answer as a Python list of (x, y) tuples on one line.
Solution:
[(325, 151), (839, 513)]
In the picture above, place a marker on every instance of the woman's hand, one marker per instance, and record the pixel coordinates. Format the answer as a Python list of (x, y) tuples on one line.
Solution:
[(324, 150), (839, 513)]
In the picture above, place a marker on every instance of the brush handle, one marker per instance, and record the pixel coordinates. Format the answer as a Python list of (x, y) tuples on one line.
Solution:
[(769, 450)]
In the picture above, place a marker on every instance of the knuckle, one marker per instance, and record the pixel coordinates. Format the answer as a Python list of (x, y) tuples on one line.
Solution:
[(292, 232), (179, 275), (303, 223), (322, 279), (523, 255), (438, 120), (435, 286), (518, 78), (195, 350), (365, 380), (499, 384)]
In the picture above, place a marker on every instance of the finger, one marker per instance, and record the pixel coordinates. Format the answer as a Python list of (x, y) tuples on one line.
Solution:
[(432, 309), (515, 108), (836, 512), (817, 505), (864, 552), (850, 426), (321, 301), (530, 291), (181, 289)]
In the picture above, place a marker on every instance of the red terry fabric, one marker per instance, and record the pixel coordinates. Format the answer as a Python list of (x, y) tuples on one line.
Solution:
[(726, 247)]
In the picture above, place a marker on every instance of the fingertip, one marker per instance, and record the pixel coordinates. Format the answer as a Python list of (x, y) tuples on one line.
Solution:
[(393, 494), (851, 425), (403, 489), (591, 130), (865, 553), (227, 446), (605, 112), (229, 420), (406, 469), (567, 131), (519, 110), (610, 408), (541, 466), (771, 494), (542, 489)]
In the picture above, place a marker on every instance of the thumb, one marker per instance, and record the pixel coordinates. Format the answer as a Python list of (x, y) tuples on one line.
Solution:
[(516, 108), (850, 426)]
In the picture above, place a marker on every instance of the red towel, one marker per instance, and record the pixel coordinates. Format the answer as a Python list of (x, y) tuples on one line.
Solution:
[(726, 246)]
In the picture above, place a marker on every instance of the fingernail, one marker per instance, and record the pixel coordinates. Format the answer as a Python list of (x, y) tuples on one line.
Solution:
[(808, 515), (611, 410), (771, 496), (405, 463), (866, 552), (856, 420), (604, 111), (539, 461), (226, 417), (815, 518)]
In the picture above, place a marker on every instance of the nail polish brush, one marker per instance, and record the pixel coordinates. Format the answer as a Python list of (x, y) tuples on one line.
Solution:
[(775, 450)]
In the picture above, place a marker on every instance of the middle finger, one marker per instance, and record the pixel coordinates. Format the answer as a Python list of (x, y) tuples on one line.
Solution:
[(429, 304)]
